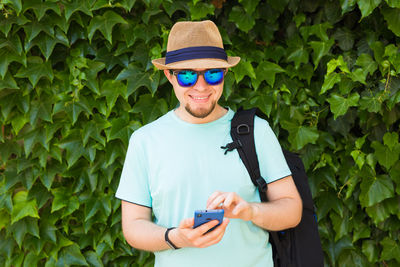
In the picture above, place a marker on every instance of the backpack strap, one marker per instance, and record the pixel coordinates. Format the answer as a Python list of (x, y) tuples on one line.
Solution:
[(242, 133)]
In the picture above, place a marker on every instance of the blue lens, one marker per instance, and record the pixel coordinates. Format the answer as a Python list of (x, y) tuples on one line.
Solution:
[(214, 76), (187, 78)]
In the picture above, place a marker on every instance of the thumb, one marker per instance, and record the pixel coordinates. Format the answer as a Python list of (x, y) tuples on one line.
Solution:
[(187, 223)]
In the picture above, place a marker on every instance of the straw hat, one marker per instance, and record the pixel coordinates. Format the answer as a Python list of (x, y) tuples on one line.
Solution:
[(195, 45)]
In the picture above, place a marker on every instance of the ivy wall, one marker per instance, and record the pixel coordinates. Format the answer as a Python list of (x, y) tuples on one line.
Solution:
[(76, 81)]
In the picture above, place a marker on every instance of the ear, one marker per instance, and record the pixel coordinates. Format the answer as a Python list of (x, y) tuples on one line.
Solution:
[(168, 75)]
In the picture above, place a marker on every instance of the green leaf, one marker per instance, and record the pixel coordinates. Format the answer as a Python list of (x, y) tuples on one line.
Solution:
[(250, 5), (244, 68), (71, 255), (41, 109), (74, 147), (243, 20), (300, 135), (127, 4), (136, 78), (340, 225), (318, 29), (8, 82), (21, 228), (94, 128), (392, 17), (111, 89), (40, 8), (47, 43), (60, 198), (35, 70), (367, 6), (150, 108), (334, 63), (122, 129), (105, 24), (93, 259), (372, 104), (7, 57), (393, 3), (91, 208), (359, 158), (345, 38), (31, 259), (74, 108), (17, 5), (334, 249), (264, 102), (386, 157), (330, 80), (361, 231), (298, 54), (370, 249), (74, 6), (391, 249), (200, 10), (375, 190), (94, 67), (18, 122), (33, 29), (391, 140), (347, 5), (266, 71), (359, 75), (367, 63), (22, 207), (320, 49), (339, 105), (32, 138)]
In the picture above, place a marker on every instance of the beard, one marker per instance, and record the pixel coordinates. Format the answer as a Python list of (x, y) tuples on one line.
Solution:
[(200, 113)]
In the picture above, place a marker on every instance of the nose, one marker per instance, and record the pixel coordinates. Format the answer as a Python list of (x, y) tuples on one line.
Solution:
[(201, 84)]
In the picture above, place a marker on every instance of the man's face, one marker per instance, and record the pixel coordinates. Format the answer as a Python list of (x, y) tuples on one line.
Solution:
[(198, 102)]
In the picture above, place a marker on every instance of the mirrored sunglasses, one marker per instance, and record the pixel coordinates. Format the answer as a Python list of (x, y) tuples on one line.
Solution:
[(188, 78)]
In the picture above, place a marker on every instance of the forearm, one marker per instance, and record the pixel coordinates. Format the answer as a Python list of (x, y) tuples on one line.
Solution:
[(277, 215), (145, 235)]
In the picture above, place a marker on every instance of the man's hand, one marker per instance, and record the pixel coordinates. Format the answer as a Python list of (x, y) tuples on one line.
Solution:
[(186, 236), (234, 206)]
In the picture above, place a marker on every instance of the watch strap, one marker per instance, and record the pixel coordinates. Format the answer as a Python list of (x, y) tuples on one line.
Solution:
[(172, 245)]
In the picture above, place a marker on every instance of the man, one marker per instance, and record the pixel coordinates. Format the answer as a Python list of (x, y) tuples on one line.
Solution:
[(175, 165)]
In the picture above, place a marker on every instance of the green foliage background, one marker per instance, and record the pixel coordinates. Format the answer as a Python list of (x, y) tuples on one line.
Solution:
[(76, 81)]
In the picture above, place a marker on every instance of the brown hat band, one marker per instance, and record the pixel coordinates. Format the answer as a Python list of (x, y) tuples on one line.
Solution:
[(195, 52)]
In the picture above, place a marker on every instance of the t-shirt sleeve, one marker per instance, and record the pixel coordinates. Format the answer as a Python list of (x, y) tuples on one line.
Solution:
[(272, 162), (134, 185)]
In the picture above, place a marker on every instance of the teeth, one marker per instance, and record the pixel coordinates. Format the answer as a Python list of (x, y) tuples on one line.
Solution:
[(200, 98)]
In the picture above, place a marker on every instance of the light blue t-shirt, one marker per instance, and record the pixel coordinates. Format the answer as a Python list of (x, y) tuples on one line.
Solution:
[(173, 167)]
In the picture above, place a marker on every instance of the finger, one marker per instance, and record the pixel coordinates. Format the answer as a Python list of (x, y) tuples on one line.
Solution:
[(217, 230), (217, 202), (202, 229), (230, 199), (187, 223), (212, 197), (216, 235)]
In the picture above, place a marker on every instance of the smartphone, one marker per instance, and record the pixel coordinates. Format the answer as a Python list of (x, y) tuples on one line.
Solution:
[(203, 216)]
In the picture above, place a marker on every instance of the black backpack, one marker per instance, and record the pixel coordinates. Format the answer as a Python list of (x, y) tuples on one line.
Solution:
[(298, 246)]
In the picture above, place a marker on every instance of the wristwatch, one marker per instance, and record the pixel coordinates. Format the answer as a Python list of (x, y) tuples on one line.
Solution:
[(172, 245)]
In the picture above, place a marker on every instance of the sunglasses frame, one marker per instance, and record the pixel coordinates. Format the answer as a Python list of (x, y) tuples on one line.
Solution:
[(176, 72)]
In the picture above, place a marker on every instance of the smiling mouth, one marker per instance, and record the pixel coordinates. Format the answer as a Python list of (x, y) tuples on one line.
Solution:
[(200, 98)]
